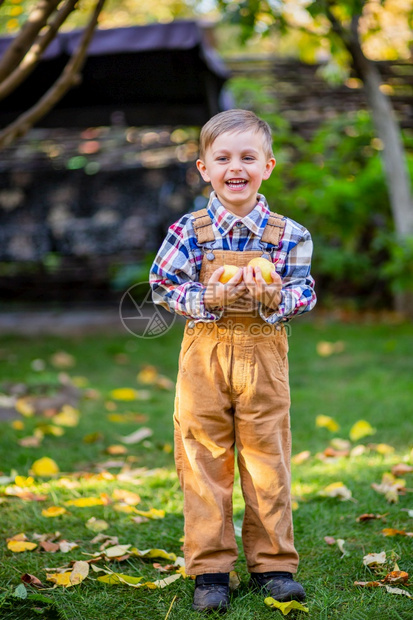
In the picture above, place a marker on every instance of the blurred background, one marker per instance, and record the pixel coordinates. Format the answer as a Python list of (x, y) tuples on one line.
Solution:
[(101, 105)]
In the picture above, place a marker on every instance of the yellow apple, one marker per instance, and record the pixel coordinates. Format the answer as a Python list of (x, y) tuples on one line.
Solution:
[(265, 265), (230, 270)]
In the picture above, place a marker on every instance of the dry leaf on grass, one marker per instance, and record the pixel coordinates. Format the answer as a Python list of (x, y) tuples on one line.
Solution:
[(325, 421), (152, 513), (54, 511), (48, 546), (401, 469), (360, 429), (44, 466), (67, 579), (154, 553), (367, 516), (390, 531), (137, 436), (86, 502), (24, 494), (17, 546), (374, 559), (68, 416), (396, 576), (116, 450), (337, 489), (390, 487), (124, 394), (96, 525), (61, 359), (128, 497), (301, 457), (285, 608), (112, 578), (32, 580), (325, 348)]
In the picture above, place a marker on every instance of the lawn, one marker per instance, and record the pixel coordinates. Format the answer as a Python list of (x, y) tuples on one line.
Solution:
[(365, 374)]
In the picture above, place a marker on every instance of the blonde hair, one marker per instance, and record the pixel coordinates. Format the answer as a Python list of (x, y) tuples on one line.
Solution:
[(234, 121)]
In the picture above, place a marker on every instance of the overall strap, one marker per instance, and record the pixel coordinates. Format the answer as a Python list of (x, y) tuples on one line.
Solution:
[(274, 229), (202, 224), (204, 232)]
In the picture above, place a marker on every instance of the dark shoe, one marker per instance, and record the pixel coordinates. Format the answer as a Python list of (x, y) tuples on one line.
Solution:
[(211, 592), (281, 586)]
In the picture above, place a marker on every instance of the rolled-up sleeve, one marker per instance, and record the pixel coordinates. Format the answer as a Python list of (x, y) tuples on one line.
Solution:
[(174, 274), (298, 293)]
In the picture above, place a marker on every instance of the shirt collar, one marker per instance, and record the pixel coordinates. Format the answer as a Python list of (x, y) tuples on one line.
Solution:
[(255, 221)]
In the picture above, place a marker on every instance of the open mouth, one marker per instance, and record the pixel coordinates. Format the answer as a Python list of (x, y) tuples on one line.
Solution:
[(236, 184)]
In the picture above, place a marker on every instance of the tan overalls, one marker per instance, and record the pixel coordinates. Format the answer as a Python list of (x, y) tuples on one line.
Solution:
[(232, 390)]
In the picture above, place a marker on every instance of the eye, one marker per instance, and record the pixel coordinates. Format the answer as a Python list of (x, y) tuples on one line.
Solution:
[(222, 158), (249, 158)]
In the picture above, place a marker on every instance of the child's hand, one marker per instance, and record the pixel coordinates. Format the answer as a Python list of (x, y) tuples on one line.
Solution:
[(218, 295), (267, 294)]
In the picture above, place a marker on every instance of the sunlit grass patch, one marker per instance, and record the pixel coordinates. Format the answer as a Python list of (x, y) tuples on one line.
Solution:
[(368, 378)]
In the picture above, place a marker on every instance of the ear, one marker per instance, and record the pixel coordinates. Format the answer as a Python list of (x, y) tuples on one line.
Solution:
[(202, 170), (269, 167)]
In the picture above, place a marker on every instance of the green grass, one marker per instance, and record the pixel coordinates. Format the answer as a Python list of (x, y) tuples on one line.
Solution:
[(371, 379)]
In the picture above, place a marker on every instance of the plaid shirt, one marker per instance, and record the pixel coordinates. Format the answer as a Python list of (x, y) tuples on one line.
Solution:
[(175, 271)]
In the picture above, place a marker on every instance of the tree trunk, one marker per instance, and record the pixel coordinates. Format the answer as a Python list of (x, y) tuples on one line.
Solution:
[(393, 156), (387, 129)]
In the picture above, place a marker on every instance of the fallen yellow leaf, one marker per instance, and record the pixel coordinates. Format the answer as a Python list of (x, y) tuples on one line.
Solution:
[(44, 467), (96, 525), (22, 481), (68, 416), (301, 457), (128, 497), (123, 394), (390, 531), (85, 502), (147, 375), (124, 508), (325, 349), (336, 489), (24, 407), (285, 608), (114, 578), (152, 513), (390, 487), (153, 553), (324, 421), (60, 579), (61, 359), (360, 429), (49, 429), (17, 546), (54, 511), (18, 425), (116, 449), (70, 578)]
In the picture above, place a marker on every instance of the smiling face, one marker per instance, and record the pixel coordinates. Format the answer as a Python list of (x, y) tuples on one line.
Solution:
[(236, 164)]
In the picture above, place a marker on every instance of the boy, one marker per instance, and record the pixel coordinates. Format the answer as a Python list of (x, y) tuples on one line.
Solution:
[(232, 387)]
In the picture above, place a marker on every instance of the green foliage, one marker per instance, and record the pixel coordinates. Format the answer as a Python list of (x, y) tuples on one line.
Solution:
[(334, 185)]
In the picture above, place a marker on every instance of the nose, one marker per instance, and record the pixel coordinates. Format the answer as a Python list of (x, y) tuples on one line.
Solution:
[(235, 164)]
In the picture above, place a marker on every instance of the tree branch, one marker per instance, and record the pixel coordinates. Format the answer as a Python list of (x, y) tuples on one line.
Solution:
[(33, 56), (24, 40), (69, 77)]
